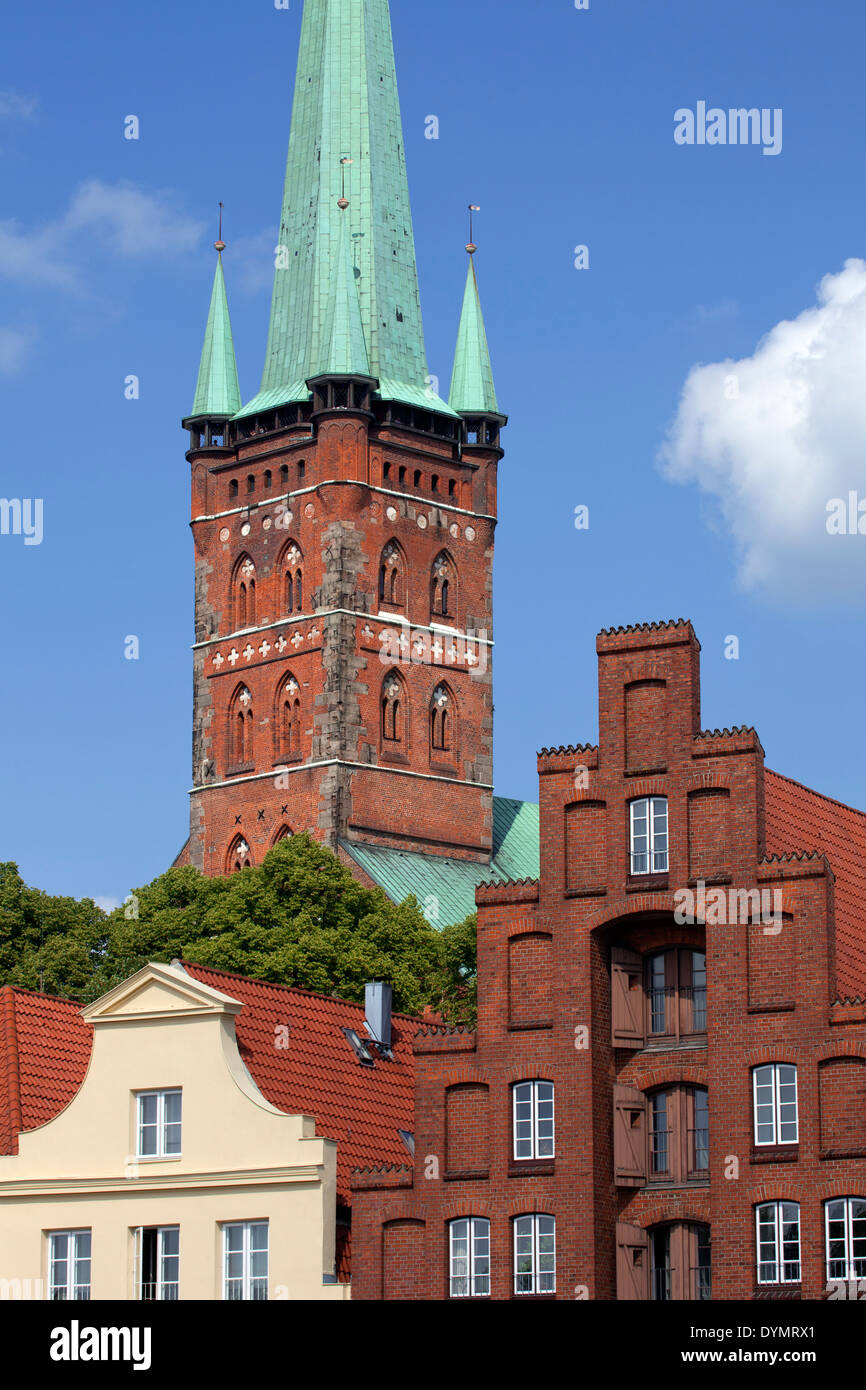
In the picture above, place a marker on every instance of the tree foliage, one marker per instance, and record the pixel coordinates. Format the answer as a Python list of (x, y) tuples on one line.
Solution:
[(299, 918)]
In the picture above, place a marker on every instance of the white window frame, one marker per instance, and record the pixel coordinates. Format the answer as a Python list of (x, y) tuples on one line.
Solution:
[(246, 1279), (779, 1261), (66, 1292), (162, 1124), (776, 1103), (541, 1280), (465, 1280), (655, 811), (849, 1258), (536, 1138), (166, 1290)]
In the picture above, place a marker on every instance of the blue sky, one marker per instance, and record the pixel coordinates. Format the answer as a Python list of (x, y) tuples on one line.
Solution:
[(560, 124)]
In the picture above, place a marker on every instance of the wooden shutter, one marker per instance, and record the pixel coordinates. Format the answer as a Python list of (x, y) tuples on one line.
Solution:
[(627, 1009), (629, 1136), (632, 1262)]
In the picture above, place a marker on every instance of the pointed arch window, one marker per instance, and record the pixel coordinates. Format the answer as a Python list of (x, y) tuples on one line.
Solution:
[(284, 833), (392, 576), (441, 720), (241, 728), (289, 718), (293, 579), (393, 711), (443, 587), (244, 594), (239, 856)]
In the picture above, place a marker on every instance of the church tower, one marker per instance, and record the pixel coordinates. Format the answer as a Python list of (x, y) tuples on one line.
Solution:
[(343, 519)]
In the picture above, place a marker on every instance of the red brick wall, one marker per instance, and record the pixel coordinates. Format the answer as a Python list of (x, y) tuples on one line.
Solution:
[(336, 497), (770, 999)]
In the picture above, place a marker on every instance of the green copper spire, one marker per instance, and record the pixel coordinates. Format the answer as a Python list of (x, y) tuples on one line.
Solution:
[(472, 389), (343, 345), (217, 391), (346, 107)]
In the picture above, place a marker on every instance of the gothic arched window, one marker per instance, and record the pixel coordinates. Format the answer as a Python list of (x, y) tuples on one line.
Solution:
[(289, 718), (393, 710), (392, 576), (240, 731), (239, 856), (293, 579), (441, 720), (443, 587), (244, 594)]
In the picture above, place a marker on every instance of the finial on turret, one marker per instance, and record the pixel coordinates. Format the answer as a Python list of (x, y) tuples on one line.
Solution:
[(343, 201), (219, 245), (470, 245)]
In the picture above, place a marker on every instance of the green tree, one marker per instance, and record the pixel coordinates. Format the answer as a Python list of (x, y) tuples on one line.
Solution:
[(299, 918)]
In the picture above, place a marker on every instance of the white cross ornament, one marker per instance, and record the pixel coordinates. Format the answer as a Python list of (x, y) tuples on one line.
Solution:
[(245, 696), (233, 657), (249, 652), (218, 660), (264, 648)]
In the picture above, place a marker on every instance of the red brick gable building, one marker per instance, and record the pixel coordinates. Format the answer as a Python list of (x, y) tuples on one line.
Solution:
[(665, 1096)]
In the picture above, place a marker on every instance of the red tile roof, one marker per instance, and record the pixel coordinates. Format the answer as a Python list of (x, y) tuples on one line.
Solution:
[(45, 1050), (319, 1074), (799, 819)]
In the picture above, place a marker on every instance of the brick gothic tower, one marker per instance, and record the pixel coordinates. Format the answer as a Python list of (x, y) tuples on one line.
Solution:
[(343, 520)]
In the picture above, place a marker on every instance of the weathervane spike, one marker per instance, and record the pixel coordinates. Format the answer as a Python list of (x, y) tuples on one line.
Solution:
[(219, 245), (342, 201), (471, 247)]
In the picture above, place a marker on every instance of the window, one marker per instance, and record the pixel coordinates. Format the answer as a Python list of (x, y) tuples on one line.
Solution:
[(157, 1263), (417, 477), (649, 835), (442, 587), (846, 1238), (392, 709), (434, 483), (680, 1262), (159, 1124), (775, 1104), (679, 1128), (269, 480), (302, 468), (289, 719), (676, 987), (293, 579), (244, 594), (534, 1254), (386, 471), (533, 1119), (402, 474), (251, 484), (469, 1257), (778, 1237), (241, 728), (68, 1265), (233, 487), (239, 856), (392, 571), (441, 720), (452, 487), (284, 476), (245, 1260)]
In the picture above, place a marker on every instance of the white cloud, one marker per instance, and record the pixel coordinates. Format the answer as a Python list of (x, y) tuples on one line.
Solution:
[(107, 904), (128, 220), (133, 222), (16, 107), (15, 347), (774, 437)]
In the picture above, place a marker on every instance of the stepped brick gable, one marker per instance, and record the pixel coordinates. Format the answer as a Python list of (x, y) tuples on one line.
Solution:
[(664, 1097)]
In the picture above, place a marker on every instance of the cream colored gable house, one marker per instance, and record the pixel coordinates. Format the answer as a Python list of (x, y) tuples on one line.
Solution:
[(168, 1174)]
